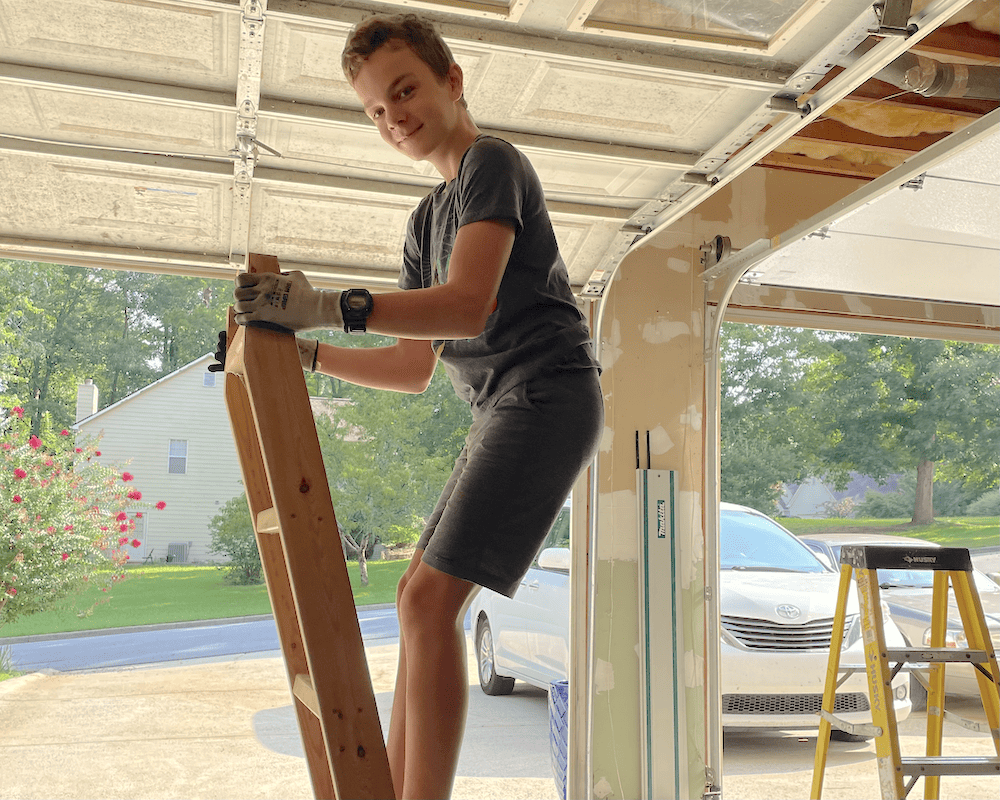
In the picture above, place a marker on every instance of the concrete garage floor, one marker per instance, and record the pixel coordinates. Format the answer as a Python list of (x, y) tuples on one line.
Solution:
[(225, 729)]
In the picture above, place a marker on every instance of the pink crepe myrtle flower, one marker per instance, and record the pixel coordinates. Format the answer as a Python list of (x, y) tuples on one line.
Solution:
[(97, 452), (136, 543), (122, 516), (122, 539), (11, 591), (138, 515), (127, 476), (20, 473), (135, 494), (64, 432), (18, 499), (161, 505), (35, 442), (18, 412), (123, 528), (79, 450), (68, 528), (65, 556)]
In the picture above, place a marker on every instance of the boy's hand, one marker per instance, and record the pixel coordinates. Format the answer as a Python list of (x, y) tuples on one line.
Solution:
[(285, 301), (308, 350)]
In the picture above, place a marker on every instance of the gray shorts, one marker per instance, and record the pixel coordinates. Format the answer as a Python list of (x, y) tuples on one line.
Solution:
[(511, 480)]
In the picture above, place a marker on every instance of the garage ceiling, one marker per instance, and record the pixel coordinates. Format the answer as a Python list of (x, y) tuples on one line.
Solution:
[(179, 135)]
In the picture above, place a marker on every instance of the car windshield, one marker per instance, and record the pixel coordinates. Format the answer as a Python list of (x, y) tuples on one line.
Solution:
[(753, 542)]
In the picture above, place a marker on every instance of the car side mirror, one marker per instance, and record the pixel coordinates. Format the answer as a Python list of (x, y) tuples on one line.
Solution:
[(554, 558)]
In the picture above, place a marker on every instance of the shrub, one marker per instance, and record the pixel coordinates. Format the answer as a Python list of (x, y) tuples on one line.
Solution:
[(66, 519), (986, 506), (233, 536)]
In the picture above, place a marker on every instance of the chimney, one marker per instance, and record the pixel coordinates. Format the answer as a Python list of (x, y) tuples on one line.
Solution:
[(86, 400)]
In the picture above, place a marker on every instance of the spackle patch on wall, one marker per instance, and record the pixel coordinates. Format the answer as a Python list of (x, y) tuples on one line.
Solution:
[(604, 676), (612, 345), (663, 330), (660, 441), (607, 439), (681, 265), (694, 669), (692, 417)]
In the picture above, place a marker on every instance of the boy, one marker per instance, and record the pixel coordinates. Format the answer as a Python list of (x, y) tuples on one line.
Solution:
[(486, 291)]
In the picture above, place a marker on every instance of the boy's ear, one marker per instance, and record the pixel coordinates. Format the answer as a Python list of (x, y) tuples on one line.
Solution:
[(456, 81)]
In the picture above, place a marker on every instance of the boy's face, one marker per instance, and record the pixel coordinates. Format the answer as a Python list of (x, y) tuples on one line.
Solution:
[(413, 109)]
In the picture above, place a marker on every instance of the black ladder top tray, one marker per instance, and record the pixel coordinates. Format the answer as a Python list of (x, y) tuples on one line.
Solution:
[(901, 556)]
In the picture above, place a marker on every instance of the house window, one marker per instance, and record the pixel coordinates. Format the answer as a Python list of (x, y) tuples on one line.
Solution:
[(209, 380), (177, 457)]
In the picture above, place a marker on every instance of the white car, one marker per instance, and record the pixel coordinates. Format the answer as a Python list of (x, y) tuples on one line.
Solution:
[(778, 606)]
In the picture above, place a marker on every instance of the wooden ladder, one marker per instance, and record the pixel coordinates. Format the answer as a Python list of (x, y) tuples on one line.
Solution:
[(951, 565), (303, 562)]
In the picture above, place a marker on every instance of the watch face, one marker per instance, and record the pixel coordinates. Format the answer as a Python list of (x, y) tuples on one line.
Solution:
[(357, 301)]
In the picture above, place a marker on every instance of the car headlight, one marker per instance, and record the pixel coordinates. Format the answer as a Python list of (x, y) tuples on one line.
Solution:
[(853, 631), (953, 637)]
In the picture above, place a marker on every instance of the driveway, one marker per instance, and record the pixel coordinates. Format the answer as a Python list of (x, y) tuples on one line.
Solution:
[(224, 728)]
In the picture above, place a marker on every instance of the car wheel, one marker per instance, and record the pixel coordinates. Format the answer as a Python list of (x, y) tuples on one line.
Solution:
[(490, 682), (918, 693)]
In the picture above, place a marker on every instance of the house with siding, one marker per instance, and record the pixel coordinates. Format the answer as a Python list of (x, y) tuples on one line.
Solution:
[(175, 437), (813, 498)]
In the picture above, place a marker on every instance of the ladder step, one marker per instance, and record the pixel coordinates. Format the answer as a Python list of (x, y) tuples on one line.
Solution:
[(950, 765), (267, 521), (302, 688), (936, 654)]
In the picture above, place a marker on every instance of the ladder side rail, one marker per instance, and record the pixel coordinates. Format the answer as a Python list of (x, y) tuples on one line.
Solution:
[(321, 590), (832, 683), (272, 558), (887, 753), (935, 688), (978, 638)]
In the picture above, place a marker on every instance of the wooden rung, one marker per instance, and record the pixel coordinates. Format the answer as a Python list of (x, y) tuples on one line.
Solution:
[(303, 689), (267, 521), (950, 654), (950, 765)]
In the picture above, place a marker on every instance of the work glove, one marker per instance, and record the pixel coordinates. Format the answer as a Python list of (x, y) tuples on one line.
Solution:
[(220, 354), (285, 302), (308, 350)]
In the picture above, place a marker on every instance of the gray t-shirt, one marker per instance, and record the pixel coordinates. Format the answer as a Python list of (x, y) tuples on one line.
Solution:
[(536, 328)]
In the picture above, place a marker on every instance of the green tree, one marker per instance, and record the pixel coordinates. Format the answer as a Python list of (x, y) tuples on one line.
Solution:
[(388, 455), (64, 324), (884, 404), (761, 384)]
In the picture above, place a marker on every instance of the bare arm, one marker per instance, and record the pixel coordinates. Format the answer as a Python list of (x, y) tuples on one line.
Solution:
[(459, 308), (406, 366)]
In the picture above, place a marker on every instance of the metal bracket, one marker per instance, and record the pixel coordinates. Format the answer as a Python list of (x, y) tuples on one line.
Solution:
[(858, 729), (915, 183), (895, 18), (251, 57)]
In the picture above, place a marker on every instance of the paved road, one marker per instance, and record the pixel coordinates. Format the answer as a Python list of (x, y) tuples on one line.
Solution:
[(155, 644)]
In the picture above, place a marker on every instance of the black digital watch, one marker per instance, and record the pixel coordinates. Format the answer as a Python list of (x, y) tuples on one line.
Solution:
[(356, 305)]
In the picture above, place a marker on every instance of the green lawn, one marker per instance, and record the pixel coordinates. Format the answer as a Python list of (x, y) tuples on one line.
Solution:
[(971, 532), (180, 593)]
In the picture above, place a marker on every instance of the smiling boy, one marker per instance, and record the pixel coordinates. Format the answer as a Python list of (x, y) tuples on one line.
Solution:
[(485, 290)]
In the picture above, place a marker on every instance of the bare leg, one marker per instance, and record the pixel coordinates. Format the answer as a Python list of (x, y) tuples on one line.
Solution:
[(431, 611), (396, 744)]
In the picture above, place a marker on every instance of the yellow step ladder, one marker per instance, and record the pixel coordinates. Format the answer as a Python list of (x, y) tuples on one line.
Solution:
[(303, 562), (897, 773)]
